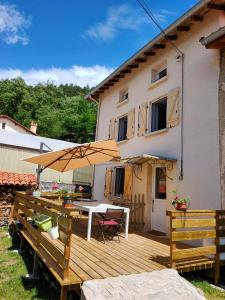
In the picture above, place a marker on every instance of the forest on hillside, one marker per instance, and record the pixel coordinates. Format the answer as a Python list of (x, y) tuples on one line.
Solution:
[(61, 112)]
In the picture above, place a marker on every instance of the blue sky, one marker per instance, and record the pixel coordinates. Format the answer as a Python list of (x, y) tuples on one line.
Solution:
[(76, 41)]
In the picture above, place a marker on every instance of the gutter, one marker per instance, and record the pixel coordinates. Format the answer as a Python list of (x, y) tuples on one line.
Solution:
[(205, 41)]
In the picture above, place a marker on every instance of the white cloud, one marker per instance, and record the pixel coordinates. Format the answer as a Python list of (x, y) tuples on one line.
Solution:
[(13, 25), (79, 75), (123, 17)]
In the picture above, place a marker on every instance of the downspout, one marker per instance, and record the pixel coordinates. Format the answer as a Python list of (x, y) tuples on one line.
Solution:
[(181, 176)]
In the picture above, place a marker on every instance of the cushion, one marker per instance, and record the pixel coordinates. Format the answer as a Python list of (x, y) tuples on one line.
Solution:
[(108, 222)]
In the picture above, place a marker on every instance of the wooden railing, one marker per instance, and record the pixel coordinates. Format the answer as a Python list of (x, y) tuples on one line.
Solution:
[(136, 205), (25, 207), (198, 225)]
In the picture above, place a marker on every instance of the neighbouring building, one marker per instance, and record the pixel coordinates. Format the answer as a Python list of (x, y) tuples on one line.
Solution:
[(18, 142), (165, 106)]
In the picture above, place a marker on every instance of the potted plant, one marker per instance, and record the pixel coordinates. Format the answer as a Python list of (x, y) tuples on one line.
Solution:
[(181, 203), (67, 198)]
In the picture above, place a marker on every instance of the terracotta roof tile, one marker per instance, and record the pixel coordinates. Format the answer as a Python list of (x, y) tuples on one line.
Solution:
[(7, 178)]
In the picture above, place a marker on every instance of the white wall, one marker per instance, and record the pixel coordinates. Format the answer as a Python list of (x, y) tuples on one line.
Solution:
[(11, 126), (201, 141)]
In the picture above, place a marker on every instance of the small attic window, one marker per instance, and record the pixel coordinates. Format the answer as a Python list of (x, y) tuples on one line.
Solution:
[(123, 95), (159, 72), (3, 125)]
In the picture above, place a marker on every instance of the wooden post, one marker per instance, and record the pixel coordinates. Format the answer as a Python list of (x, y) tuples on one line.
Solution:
[(35, 265), (64, 290), (172, 243), (217, 255), (67, 247)]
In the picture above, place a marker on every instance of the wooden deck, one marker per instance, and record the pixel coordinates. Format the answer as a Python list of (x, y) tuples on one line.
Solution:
[(142, 252)]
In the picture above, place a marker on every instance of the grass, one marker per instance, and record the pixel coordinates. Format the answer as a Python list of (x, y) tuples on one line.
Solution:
[(14, 285), (13, 268), (200, 281)]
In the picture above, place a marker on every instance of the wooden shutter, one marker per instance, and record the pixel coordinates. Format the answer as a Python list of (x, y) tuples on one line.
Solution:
[(108, 182), (142, 119), (128, 182), (112, 124), (173, 103), (131, 124)]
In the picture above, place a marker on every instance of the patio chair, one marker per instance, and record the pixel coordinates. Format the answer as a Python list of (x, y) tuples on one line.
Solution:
[(111, 223)]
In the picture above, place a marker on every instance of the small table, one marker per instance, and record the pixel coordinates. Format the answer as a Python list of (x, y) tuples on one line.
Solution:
[(98, 207)]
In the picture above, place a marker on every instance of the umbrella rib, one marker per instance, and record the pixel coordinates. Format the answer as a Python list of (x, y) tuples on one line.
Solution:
[(59, 158)]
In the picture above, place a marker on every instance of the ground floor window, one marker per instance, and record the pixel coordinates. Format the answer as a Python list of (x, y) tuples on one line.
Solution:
[(119, 181), (160, 183)]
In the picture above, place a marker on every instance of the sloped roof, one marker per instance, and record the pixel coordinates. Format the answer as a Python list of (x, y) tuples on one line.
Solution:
[(182, 24), (17, 123), (7, 178), (27, 141)]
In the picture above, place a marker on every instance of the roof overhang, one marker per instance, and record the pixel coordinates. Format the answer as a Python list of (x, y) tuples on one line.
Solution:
[(216, 40), (183, 24), (147, 158)]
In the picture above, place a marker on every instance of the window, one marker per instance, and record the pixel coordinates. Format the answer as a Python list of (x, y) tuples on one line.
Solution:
[(3, 125), (123, 96), (122, 129), (160, 183), (119, 181), (158, 115), (159, 73)]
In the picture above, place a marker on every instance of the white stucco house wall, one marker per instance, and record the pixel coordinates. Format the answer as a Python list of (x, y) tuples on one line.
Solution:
[(163, 102), (9, 124)]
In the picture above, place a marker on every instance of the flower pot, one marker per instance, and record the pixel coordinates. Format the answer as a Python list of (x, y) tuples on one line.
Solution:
[(43, 222), (67, 201), (181, 206), (54, 232)]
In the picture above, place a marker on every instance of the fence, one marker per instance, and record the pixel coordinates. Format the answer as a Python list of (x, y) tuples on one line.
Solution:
[(136, 205), (198, 225)]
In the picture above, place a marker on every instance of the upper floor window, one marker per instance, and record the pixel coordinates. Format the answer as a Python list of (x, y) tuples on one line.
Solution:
[(3, 125), (159, 72), (122, 128), (158, 116), (123, 95)]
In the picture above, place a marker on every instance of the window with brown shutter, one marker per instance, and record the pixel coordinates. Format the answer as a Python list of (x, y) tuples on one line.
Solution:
[(112, 129), (173, 104), (142, 119), (131, 124), (128, 182), (108, 182)]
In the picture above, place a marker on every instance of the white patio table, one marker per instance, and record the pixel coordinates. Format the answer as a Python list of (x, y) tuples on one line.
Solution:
[(98, 207)]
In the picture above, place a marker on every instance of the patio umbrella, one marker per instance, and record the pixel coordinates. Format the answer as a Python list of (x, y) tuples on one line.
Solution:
[(77, 157)]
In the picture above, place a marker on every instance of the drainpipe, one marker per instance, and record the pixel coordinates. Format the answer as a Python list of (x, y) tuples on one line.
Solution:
[(182, 119)]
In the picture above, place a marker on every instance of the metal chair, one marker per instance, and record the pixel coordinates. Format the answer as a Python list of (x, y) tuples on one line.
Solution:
[(111, 223)]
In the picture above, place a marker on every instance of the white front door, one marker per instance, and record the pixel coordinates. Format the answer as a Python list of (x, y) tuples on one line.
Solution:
[(158, 215)]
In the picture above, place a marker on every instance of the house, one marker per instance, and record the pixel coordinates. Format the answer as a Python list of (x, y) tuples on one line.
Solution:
[(9, 124), (165, 107), (15, 146)]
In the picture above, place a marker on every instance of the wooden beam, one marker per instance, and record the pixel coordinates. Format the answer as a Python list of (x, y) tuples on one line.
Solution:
[(216, 6), (120, 76), (171, 37), (183, 28), (197, 18), (126, 71), (159, 46), (140, 59), (133, 66), (149, 53)]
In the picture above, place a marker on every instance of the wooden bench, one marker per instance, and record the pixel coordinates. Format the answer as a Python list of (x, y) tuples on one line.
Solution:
[(55, 254)]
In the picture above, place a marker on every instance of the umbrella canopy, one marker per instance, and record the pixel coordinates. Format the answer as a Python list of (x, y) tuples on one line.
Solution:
[(77, 157)]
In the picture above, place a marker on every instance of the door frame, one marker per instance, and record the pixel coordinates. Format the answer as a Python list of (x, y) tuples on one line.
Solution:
[(153, 192)]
